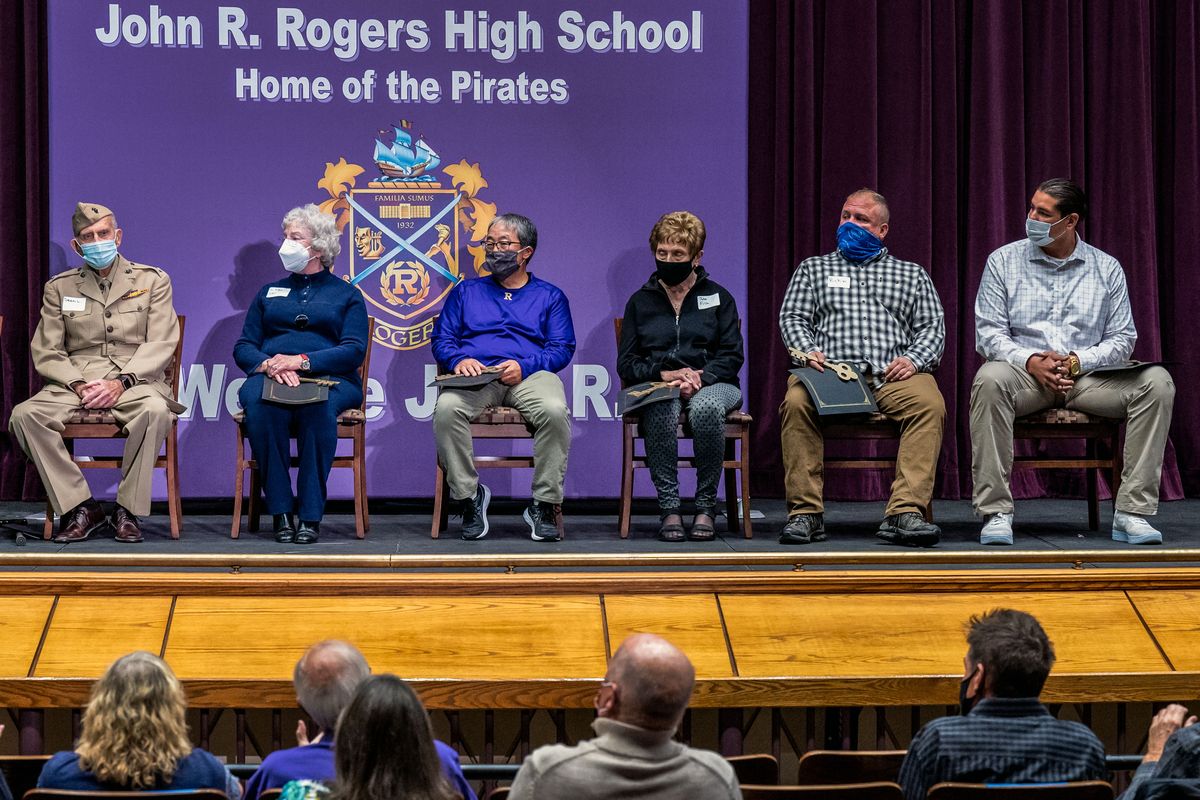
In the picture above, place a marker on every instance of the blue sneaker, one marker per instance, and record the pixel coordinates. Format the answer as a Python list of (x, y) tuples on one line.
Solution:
[(1134, 529)]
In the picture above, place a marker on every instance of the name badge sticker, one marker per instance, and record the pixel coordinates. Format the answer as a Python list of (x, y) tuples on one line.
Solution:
[(284, 291), (74, 304), (708, 301), (837, 282)]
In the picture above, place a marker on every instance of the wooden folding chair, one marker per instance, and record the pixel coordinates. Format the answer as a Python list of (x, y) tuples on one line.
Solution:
[(761, 769), (175, 794), (1076, 790), (351, 424), (99, 423), (737, 458), (845, 791), (1063, 423), (830, 767)]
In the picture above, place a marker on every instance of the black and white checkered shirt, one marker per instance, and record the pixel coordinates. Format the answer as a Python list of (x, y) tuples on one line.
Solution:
[(866, 314), (1002, 740)]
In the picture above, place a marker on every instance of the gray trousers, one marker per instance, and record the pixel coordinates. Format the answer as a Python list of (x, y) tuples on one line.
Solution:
[(543, 404), (1002, 392), (706, 421)]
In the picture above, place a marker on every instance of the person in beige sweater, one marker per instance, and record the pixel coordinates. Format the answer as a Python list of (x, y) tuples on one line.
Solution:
[(639, 706)]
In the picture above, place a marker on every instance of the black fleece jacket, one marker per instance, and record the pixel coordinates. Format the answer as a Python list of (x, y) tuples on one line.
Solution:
[(706, 336)]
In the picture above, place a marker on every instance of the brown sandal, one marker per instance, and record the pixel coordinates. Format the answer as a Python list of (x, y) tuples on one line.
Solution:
[(671, 529), (702, 528)]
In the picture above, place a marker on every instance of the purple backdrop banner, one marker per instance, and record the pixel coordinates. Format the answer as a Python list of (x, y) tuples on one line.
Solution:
[(201, 125)]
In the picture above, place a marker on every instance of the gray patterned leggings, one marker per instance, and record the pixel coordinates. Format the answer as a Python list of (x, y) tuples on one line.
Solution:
[(706, 420)]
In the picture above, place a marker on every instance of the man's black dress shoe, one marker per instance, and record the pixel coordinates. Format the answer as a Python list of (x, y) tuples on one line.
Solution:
[(308, 532), (285, 530)]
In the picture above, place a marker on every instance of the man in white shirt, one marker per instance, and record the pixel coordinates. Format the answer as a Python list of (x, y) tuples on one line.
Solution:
[(1052, 318)]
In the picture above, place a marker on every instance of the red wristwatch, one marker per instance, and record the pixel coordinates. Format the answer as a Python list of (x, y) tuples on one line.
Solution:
[(305, 364)]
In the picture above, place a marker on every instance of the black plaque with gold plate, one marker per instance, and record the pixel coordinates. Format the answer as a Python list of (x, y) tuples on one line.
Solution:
[(839, 389), (310, 390), (644, 394), (452, 381)]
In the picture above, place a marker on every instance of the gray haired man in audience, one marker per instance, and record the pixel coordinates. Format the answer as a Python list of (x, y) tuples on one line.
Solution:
[(1005, 734), (640, 704), (326, 677)]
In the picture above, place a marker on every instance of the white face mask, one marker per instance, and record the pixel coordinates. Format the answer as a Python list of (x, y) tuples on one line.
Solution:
[(294, 255)]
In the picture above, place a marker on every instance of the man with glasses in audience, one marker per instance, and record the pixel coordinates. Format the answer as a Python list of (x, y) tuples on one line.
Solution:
[(519, 326), (1005, 734), (638, 707), (105, 340)]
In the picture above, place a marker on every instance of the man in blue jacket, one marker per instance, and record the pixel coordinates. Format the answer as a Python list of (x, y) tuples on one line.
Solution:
[(512, 320)]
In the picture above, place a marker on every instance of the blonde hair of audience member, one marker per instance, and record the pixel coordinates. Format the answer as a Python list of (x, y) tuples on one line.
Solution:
[(679, 227), (648, 684), (134, 728)]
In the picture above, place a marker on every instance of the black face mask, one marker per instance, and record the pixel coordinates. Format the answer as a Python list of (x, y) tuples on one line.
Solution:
[(502, 263), (965, 704), (672, 273)]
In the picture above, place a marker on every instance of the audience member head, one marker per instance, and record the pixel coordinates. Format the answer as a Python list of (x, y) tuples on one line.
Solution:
[(134, 728), (648, 684), (1008, 655), (326, 677), (682, 228), (384, 748), (1069, 197)]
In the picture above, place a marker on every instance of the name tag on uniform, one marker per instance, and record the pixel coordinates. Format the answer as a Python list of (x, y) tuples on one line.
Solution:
[(837, 282), (284, 291), (74, 304), (708, 301)]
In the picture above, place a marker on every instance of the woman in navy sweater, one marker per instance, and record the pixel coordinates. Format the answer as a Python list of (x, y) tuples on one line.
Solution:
[(309, 323), (682, 327)]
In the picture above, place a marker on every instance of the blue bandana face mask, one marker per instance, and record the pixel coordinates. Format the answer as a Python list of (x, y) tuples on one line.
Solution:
[(856, 243), (99, 255)]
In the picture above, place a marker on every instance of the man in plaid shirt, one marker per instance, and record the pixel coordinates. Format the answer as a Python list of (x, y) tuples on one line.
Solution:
[(1052, 318), (1005, 734), (861, 305)]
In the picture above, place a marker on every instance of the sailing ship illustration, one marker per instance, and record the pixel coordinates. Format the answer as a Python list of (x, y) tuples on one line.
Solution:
[(404, 160)]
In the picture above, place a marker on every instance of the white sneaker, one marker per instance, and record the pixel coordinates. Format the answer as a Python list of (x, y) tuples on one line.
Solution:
[(997, 530), (1134, 529)]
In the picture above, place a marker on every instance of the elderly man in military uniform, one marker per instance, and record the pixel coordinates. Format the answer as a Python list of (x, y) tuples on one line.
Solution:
[(105, 340)]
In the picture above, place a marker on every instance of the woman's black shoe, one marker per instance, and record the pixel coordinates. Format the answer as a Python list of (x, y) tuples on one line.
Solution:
[(308, 532), (285, 530)]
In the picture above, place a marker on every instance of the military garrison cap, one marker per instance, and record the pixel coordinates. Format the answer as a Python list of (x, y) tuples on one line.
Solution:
[(88, 214)]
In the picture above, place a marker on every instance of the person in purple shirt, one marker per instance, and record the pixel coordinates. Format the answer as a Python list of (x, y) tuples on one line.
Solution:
[(326, 677), (518, 326)]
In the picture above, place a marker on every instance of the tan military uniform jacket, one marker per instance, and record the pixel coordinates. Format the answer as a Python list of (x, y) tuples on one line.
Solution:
[(83, 337)]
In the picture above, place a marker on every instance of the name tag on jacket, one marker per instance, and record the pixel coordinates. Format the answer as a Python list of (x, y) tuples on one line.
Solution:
[(278, 291), (708, 301), (838, 282), (74, 304)]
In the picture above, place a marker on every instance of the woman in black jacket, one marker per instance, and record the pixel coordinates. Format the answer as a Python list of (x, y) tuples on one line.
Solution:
[(682, 328)]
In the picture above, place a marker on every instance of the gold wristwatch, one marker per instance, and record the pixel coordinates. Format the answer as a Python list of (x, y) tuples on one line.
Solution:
[(1073, 365)]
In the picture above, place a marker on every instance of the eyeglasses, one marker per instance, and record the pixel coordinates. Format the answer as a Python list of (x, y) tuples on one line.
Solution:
[(503, 244), (301, 321)]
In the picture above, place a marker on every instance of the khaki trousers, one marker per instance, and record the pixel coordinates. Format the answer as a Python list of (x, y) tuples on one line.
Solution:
[(542, 402), (38, 423), (1002, 392), (916, 404)]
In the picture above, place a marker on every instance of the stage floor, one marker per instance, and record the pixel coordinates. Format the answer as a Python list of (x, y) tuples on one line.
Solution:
[(1041, 525)]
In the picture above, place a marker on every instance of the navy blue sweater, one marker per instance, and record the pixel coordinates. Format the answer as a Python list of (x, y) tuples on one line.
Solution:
[(334, 337)]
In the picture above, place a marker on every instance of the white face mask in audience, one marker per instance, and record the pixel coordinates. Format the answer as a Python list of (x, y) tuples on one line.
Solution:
[(294, 255)]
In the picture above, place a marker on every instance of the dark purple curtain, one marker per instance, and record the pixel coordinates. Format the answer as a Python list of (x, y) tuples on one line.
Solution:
[(955, 110), (24, 233)]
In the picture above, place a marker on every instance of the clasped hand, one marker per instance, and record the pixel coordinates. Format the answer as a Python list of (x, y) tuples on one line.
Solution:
[(510, 370), (283, 369), (1050, 370), (102, 393), (686, 378)]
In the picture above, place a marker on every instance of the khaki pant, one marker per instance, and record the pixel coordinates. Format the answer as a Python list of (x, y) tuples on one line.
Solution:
[(916, 404), (543, 404), (38, 423), (1002, 392)]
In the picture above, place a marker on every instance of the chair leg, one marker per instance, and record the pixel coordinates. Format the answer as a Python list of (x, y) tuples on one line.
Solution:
[(439, 503), (1118, 464), (747, 525), (361, 458), (48, 527), (626, 504), (1092, 476), (238, 485), (732, 512), (174, 502), (360, 497), (253, 510)]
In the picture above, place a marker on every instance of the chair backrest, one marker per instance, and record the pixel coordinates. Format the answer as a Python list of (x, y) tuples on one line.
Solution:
[(1077, 790), (271, 794), (760, 768), (846, 791), (172, 370), (22, 772), (364, 370), (830, 767), (499, 793), (177, 794)]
